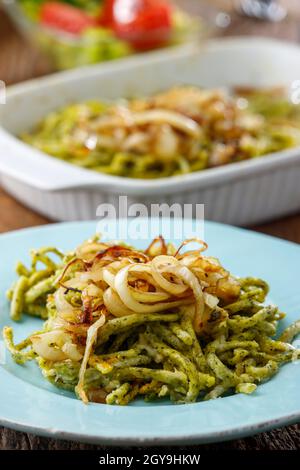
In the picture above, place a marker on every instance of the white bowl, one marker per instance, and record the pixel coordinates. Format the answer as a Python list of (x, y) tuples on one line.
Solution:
[(240, 193)]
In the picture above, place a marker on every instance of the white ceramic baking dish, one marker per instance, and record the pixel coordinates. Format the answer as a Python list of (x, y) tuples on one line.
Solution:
[(240, 193)]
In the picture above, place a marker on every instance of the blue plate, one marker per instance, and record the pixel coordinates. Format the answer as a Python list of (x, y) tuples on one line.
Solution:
[(29, 403)]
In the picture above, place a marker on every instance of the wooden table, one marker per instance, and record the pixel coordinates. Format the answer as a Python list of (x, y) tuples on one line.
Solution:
[(20, 61)]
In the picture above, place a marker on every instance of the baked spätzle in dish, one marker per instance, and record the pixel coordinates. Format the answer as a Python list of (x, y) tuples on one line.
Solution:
[(179, 131)]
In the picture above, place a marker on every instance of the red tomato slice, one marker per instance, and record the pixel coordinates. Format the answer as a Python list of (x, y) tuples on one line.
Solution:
[(107, 14), (65, 17), (145, 24)]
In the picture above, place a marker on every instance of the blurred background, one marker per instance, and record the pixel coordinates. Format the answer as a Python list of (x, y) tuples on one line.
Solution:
[(33, 44), (22, 36)]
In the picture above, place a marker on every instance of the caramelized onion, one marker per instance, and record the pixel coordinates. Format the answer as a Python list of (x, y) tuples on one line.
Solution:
[(191, 280), (174, 119), (114, 304), (163, 264), (64, 274), (123, 290), (90, 340), (55, 345), (192, 240), (157, 241)]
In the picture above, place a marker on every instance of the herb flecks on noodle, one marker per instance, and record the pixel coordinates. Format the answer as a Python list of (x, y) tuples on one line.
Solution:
[(122, 323)]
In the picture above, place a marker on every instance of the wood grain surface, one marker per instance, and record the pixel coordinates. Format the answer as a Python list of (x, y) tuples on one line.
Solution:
[(20, 60)]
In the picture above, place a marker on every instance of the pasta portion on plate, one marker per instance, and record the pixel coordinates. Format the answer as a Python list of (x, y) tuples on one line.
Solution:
[(121, 323)]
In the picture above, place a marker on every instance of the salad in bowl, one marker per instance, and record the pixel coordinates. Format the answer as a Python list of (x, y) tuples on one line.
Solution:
[(76, 32)]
